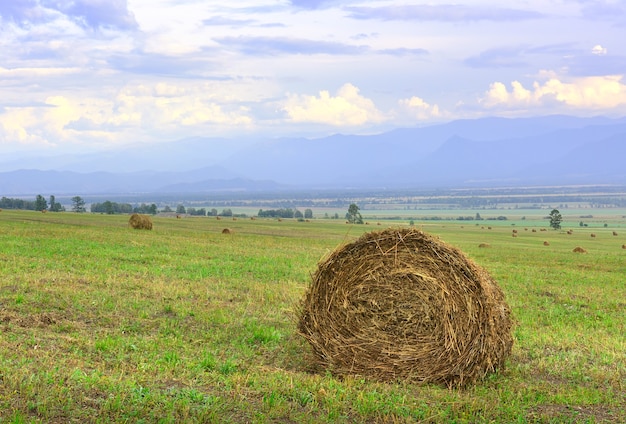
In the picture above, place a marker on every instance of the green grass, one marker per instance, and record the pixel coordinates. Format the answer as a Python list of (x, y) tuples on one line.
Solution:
[(102, 323)]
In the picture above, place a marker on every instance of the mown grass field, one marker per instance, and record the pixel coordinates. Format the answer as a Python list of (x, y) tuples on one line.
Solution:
[(102, 323)]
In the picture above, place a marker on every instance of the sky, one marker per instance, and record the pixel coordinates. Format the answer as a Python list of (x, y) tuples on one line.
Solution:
[(86, 75)]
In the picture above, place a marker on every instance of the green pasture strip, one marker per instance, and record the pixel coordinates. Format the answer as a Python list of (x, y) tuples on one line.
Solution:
[(103, 323)]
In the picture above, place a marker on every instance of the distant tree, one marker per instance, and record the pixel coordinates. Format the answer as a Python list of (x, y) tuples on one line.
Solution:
[(180, 209), (297, 214), (78, 204), (54, 205), (108, 207), (167, 209), (213, 212), (40, 203), (146, 209), (308, 214), (354, 216), (111, 208), (478, 217), (226, 212), (555, 219)]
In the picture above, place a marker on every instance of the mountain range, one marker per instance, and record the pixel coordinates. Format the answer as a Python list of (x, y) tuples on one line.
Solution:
[(487, 152)]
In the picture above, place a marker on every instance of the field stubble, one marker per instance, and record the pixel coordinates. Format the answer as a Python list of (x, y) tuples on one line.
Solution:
[(102, 323)]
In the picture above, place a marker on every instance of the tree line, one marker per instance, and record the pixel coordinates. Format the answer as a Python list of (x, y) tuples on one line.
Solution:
[(285, 213), (39, 204)]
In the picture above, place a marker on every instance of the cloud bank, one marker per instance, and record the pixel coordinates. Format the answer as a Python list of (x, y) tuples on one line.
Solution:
[(95, 74)]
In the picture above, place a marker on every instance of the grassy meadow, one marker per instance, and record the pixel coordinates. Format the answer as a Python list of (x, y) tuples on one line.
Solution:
[(102, 323)]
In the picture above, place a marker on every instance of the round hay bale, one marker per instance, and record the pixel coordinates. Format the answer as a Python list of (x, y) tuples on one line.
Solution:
[(140, 222), (227, 231), (623, 246), (579, 249), (401, 304), (546, 243)]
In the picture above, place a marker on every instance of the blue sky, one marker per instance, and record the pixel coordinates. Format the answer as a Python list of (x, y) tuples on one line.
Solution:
[(83, 75)]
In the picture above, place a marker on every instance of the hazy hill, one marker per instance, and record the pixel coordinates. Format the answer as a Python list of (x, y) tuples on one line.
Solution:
[(490, 151)]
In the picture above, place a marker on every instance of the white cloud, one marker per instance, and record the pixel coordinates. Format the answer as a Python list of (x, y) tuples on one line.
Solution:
[(346, 108), (588, 93), (24, 73), (599, 50), (139, 111), (416, 108)]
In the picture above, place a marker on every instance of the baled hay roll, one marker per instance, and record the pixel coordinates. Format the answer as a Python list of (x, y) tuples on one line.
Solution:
[(402, 304), (140, 222)]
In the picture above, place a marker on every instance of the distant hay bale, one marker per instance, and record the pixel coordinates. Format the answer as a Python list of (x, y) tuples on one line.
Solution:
[(514, 231), (533, 230), (593, 235), (514, 234), (140, 222), (484, 245), (546, 243), (401, 304), (569, 232), (579, 249), (614, 232), (623, 246), (227, 231)]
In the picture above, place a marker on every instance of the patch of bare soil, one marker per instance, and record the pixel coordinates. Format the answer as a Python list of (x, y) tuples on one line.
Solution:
[(43, 319), (575, 414)]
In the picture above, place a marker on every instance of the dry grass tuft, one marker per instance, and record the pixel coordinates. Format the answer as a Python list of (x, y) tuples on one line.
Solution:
[(401, 304), (140, 222), (484, 245)]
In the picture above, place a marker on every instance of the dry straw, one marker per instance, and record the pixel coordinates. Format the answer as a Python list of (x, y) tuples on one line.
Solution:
[(402, 304), (140, 222)]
